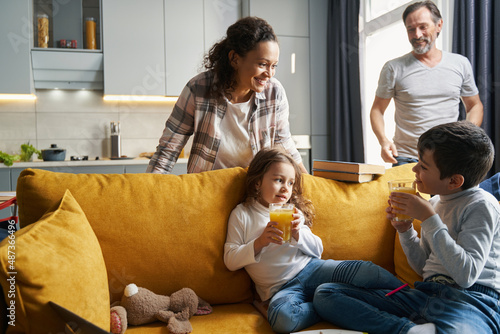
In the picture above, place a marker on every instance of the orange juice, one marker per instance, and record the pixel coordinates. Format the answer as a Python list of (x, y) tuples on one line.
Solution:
[(283, 215), (402, 186), (284, 220)]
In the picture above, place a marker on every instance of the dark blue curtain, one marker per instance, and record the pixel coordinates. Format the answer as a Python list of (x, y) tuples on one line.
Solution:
[(344, 97), (476, 35)]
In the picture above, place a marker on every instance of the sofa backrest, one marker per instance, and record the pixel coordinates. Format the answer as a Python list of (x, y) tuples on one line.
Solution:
[(161, 232), (351, 218), (166, 232)]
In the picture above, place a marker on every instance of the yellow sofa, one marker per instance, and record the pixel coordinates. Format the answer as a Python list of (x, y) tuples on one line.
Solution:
[(84, 237)]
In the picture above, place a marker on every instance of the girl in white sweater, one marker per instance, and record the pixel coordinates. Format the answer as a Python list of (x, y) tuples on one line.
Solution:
[(287, 274)]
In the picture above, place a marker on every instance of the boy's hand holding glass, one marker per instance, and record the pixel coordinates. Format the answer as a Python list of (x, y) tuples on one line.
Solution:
[(406, 204)]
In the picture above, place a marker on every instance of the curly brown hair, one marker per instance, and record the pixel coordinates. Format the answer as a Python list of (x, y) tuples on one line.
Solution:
[(261, 164), (242, 37)]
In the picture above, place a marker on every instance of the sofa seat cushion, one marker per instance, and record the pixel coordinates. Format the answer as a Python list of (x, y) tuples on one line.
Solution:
[(57, 259), (161, 232), (230, 319)]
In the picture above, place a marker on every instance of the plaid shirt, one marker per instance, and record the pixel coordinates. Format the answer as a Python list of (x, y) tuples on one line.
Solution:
[(196, 113)]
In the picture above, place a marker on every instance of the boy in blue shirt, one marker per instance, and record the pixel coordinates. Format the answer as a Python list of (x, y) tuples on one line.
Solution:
[(457, 254)]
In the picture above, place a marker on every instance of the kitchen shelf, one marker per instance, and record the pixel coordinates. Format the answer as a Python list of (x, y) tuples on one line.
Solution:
[(65, 50), (66, 20)]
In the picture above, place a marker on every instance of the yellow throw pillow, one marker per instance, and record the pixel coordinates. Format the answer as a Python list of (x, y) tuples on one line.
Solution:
[(56, 259)]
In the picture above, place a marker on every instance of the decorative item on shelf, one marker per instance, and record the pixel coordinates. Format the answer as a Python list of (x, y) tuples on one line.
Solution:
[(90, 25), (43, 30), (67, 44)]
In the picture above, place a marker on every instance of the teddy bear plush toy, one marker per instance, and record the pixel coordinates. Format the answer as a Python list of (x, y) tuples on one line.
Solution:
[(140, 306)]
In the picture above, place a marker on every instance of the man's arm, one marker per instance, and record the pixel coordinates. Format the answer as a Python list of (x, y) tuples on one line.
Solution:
[(474, 109), (389, 150)]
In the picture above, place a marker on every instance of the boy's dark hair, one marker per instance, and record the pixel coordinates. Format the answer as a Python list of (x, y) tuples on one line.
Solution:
[(431, 6), (459, 148)]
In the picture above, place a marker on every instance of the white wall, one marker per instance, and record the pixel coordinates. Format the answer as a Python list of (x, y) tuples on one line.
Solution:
[(79, 122)]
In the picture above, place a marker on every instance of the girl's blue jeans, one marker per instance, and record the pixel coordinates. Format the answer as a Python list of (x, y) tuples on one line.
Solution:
[(291, 308), (452, 310)]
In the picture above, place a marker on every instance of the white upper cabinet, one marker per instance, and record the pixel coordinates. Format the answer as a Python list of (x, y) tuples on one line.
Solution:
[(134, 47), (15, 45), (184, 46), (290, 21), (154, 47), (219, 15), (287, 17)]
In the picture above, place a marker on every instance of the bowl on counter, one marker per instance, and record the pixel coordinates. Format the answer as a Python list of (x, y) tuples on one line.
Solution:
[(54, 153)]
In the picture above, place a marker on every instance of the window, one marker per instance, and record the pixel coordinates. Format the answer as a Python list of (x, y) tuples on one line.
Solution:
[(382, 38)]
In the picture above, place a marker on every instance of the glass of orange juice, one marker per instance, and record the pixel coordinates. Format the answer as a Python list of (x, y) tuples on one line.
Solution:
[(283, 215), (403, 186)]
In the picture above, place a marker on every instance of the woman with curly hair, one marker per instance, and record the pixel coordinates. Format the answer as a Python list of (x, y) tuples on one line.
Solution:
[(234, 109), (286, 275)]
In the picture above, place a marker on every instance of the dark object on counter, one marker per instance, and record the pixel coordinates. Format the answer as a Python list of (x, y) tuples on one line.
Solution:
[(79, 157), (54, 153), (115, 140)]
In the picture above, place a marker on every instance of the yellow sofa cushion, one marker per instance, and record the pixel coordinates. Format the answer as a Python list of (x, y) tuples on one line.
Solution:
[(57, 259), (161, 232), (403, 270), (351, 218)]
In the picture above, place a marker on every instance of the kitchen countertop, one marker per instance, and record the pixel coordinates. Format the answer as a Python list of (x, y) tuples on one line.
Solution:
[(69, 163)]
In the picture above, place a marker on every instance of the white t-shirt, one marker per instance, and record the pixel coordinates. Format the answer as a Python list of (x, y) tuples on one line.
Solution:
[(424, 96), (234, 148), (276, 264)]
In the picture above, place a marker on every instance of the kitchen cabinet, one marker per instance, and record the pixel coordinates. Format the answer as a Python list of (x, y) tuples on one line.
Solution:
[(67, 62), (290, 22), (318, 14), (287, 17), (184, 42), (134, 47), (293, 73), (160, 44), (218, 16), (5, 180), (16, 40)]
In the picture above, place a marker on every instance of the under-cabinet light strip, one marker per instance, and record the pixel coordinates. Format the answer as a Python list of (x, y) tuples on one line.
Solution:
[(17, 97), (140, 98)]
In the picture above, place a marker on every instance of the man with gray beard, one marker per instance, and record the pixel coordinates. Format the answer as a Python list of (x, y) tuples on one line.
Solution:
[(427, 85)]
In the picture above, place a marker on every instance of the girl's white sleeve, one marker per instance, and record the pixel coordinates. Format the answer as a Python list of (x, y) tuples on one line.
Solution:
[(237, 253), (309, 243)]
